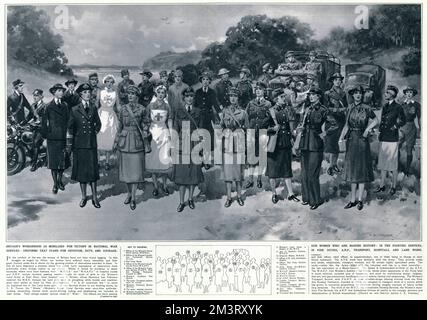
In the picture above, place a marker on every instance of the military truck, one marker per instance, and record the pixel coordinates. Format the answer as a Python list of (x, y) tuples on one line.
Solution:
[(371, 77), (330, 65)]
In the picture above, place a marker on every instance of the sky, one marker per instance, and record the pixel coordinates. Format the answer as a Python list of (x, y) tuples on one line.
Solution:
[(130, 34)]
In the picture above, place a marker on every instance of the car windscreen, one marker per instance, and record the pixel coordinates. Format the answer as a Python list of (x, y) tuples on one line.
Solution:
[(359, 79)]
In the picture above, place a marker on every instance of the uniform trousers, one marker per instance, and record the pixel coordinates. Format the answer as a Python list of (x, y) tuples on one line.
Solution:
[(311, 162)]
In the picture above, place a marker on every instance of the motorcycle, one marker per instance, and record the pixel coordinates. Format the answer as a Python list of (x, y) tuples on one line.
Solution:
[(20, 147)]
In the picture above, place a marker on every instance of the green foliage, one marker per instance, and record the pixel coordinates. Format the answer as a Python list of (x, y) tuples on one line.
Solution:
[(256, 40), (30, 39)]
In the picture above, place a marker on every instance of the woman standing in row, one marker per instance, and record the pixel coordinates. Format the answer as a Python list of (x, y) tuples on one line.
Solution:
[(279, 162), (132, 133), (108, 115), (187, 175), (358, 162), (158, 161), (234, 121), (311, 146)]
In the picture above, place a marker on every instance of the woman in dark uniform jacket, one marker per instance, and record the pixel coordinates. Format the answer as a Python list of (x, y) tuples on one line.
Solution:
[(412, 111), (131, 143), (54, 130), (279, 162), (258, 111), (358, 162), (83, 125), (187, 175), (311, 146)]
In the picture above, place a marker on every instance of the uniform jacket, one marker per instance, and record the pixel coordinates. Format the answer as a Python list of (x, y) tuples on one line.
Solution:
[(392, 118), (128, 138), (312, 127), (72, 99), (313, 67), (195, 119), (221, 89), (83, 126), (147, 92), (37, 111), (296, 65), (55, 121), (412, 110), (246, 92), (258, 113), (284, 116), (16, 103), (207, 102), (228, 121), (122, 90), (335, 98)]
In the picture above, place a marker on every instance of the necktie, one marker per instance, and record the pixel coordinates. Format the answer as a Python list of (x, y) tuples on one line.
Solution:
[(188, 108), (86, 107)]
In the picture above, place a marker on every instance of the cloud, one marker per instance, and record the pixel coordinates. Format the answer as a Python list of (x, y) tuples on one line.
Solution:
[(156, 45), (90, 52), (179, 50)]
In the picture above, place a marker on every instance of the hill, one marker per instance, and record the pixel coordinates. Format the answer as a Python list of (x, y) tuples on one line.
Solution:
[(170, 60), (33, 77)]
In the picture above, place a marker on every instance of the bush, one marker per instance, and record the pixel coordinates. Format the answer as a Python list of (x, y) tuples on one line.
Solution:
[(411, 62)]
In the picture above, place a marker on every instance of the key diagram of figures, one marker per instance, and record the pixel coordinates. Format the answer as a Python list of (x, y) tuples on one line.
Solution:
[(213, 270)]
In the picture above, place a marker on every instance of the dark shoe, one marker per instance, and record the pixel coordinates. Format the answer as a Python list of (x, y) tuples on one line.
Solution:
[(83, 203), (336, 169), (228, 203), (127, 200), (379, 189), (350, 205), (316, 206), (96, 203), (292, 197), (275, 198), (132, 205), (34, 167), (392, 191), (155, 192), (191, 204), (55, 189), (240, 201), (304, 203), (181, 207), (249, 184), (359, 205), (259, 184), (330, 171), (165, 190), (61, 186)]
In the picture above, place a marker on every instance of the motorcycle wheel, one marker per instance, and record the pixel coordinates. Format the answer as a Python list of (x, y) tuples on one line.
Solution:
[(15, 159)]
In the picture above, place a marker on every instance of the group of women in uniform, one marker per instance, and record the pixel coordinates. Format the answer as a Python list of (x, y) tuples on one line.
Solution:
[(142, 138)]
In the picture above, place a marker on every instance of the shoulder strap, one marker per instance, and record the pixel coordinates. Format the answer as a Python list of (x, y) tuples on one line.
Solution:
[(234, 117), (191, 118), (134, 118)]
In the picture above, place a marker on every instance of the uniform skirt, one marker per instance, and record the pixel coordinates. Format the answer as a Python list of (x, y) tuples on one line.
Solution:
[(131, 167), (85, 165), (279, 163), (358, 161), (387, 156), (232, 168), (187, 174), (56, 157), (410, 136)]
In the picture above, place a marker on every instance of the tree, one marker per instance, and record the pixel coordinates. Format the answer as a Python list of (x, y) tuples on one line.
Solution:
[(256, 40), (30, 39)]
